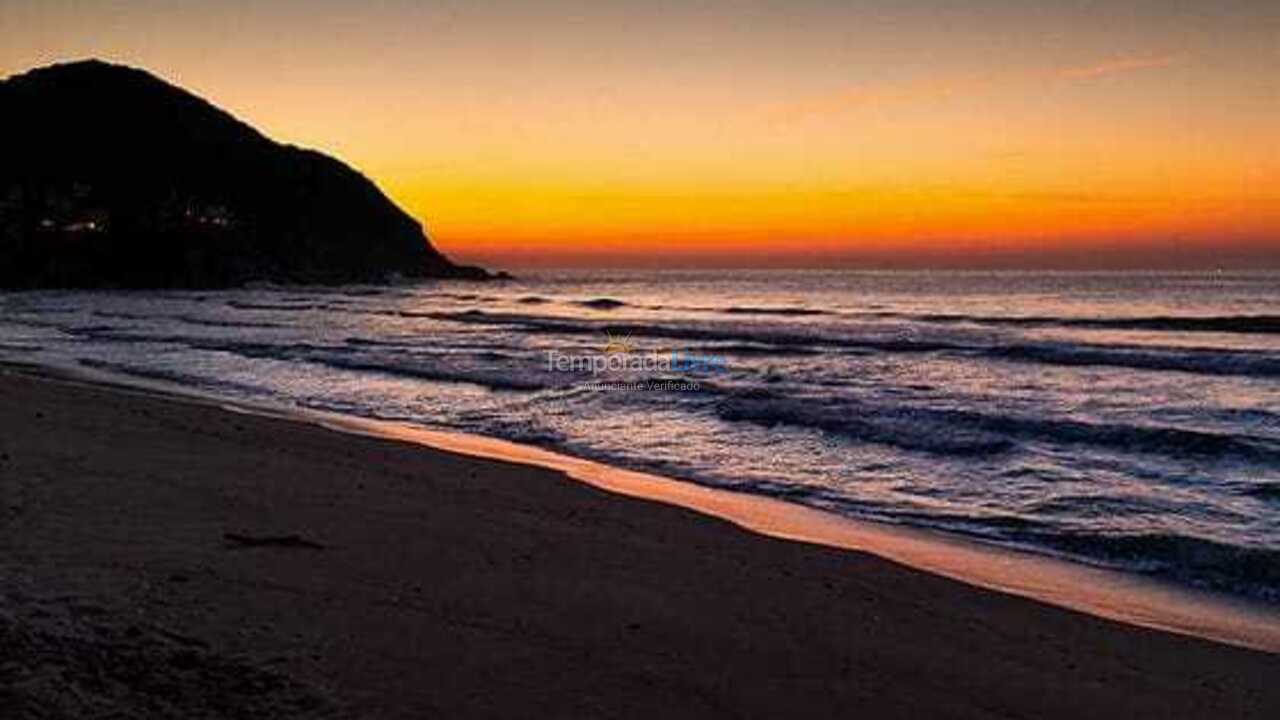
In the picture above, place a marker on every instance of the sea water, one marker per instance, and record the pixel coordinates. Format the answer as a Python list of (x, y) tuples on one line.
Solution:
[(1130, 420)]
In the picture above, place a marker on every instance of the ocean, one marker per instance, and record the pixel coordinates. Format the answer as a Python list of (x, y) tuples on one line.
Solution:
[(1127, 420)]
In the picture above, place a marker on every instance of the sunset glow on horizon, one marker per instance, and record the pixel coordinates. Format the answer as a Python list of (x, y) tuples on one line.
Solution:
[(1135, 133)]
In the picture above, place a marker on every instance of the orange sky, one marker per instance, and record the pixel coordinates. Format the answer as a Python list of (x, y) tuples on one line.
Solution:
[(752, 132)]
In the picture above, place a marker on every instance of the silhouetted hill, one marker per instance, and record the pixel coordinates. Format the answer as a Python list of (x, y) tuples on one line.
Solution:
[(111, 177)]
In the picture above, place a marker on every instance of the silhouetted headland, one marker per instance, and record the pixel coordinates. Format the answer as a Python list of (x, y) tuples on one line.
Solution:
[(114, 178)]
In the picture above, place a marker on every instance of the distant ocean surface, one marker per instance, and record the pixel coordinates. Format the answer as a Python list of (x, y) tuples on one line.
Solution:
[(1124, 420)]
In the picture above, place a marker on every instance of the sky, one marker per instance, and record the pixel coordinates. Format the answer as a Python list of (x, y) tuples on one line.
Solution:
[(863, 133)]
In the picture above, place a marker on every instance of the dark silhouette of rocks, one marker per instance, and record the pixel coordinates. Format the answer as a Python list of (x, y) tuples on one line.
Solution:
[(112, 177)]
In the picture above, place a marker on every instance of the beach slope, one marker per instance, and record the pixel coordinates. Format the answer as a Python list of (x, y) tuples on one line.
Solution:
[(164, 558)]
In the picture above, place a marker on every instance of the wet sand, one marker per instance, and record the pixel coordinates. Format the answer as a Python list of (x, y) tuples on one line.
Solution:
[(166, 558)]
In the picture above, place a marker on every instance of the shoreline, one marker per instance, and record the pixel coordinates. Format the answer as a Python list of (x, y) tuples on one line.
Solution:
[(164, 556), (1103, 592)]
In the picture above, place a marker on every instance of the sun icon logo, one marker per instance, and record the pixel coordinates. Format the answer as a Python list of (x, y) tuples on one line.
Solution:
[(617, 342)]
